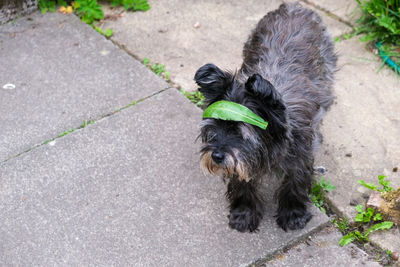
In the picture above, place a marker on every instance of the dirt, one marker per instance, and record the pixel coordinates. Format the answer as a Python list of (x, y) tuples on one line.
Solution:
[(390, 206)]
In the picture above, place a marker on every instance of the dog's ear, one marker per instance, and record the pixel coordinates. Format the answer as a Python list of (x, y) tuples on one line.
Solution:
[(213, 82), (262, 89), (267, 100)]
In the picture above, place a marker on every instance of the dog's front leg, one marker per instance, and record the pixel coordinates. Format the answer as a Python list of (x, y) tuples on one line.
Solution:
[(292, 200), (246, 206)]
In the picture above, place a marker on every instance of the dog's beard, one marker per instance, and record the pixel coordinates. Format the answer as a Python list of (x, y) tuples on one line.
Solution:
[(231, 168)]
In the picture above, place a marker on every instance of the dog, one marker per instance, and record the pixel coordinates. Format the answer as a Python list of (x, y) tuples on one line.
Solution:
[(286, 78)]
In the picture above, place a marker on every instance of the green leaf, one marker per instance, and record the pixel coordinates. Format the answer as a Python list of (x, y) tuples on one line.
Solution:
[(146, 61), (115, 3), (360, 208), (377, 217), (326, 185), (347, 239), (108, 33), (359, 218), (385, 184), (367, 185), (226, 110), (142, 5), (379, 226)]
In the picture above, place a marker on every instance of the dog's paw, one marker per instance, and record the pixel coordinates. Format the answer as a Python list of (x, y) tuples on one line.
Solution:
[(244, 219), (293, 219)]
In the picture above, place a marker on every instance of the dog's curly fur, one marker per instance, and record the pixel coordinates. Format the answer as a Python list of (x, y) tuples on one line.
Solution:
[(286, 78)]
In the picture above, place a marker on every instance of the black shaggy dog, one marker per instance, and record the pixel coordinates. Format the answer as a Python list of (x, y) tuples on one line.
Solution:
[(286, 78)]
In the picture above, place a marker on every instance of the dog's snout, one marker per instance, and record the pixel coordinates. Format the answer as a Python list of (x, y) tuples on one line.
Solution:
[(218, 156)]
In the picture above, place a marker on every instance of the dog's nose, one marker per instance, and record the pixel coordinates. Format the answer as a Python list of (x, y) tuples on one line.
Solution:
[(218, 156)]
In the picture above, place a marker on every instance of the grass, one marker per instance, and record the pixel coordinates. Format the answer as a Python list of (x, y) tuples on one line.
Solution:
[(380, 22)]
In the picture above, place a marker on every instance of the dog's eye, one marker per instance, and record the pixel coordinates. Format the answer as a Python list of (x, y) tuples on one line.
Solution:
[(211, 136)]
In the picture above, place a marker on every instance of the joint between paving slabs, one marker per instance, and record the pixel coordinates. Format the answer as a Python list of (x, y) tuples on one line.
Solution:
[(327, 12), (264, 260), (88, 122)]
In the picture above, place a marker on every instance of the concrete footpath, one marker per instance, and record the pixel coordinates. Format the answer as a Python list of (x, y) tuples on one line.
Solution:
[(98, 160)]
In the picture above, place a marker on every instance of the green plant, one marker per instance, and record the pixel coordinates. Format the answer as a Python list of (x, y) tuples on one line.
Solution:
[(195, 97), (364, 236), (366, 215), (380, 23), (157, 68), (380, 20), (107, 33), (318, 192), (50, 5), (227, 110), (134, 5), (382, 182), (342, 224), (88, 10), (91, 12)]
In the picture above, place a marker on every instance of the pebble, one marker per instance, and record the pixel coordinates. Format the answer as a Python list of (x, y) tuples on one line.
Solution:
[(395, 256), (354, 202)]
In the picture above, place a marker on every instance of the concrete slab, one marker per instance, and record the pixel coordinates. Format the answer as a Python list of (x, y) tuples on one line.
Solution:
[(346, 10), (64, 72), (184, 35), (335, 27), (127, 191), (322, 249), (361, 130), (389, 240)]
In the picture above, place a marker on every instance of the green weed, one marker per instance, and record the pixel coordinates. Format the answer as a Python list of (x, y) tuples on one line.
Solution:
[(90, 11), (157, 68), (364, 236), (49, 5), (195, 97), (342, 224), (380, 22), (368, 220), (134, 5), (382, 182), (318, 192), (107, 33)]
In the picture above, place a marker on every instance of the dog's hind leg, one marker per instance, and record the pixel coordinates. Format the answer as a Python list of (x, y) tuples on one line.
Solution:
[(246, 206)]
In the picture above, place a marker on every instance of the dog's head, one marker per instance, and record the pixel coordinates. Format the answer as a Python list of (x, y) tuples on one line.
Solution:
[(237, 149)]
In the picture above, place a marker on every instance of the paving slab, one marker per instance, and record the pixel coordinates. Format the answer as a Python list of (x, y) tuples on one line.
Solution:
[(128, 191), (362, 128), (64, 72), (184, 35), (389, 240), (322, 249), (345, 9)]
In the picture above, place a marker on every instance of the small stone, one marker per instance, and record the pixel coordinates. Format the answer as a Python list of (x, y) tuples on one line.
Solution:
[(354, 202), (395, 169), (374, 200), (395, 256), (196, 25), (320, 169)]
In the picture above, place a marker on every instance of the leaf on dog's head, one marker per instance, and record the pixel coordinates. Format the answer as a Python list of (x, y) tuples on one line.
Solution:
[(227, 110)]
